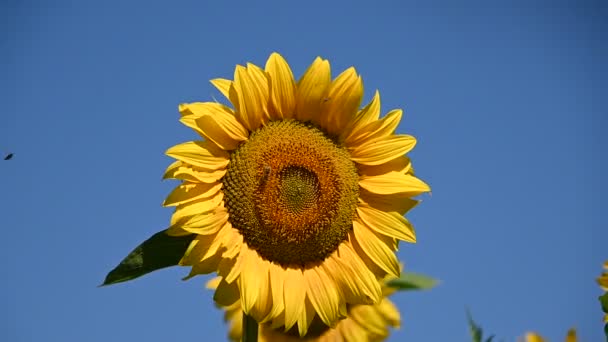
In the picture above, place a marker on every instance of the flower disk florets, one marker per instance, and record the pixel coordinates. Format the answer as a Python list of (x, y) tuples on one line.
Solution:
[(292, 193)]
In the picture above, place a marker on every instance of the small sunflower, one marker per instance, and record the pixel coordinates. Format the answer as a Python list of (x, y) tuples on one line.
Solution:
[(602, 281), (296, 195), (364, 323), (534, 337)]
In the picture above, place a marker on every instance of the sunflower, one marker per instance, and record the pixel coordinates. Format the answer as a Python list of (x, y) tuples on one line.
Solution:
[(296, 196), (363, 323), (534, 337), (602, 281)]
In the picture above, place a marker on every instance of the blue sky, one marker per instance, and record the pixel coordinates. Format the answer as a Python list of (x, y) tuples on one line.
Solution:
[(508, 104)]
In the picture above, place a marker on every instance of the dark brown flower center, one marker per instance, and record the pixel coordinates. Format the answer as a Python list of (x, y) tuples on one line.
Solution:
[(292, 193)]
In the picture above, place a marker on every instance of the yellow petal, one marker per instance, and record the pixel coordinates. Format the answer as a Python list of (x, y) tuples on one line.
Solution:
[(367, 261), (278, 322), (389, 224), (232, 242), (311, 90), (341, 273), (203, 154), (207, 247), (375, 249), (342, 101), (400, 164), (277, 280), (306, 317), (197, 207), (282, 87), (207, 223), (215, 245), (533, 337), (262, 82), (254, 286), (368, 114), (192, 174), (374, 324), (186, 172), (171, 168), (213, 283), (294, 293), (235, 268), (194, 250), (181, 171), (188, 192), (206, 266), (378, 129), (226, 294), (571, 337), (198, 109), (398, 203), (376, 152), (361, 283), (235, 331), (249, 95), (215, 122), (263, 305), (389, 311), (394, 183), (225, 131), (349, 331), (322, 294), (223, 85)]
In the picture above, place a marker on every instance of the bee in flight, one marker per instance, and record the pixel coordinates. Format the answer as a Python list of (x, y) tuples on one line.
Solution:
[(8, 156)]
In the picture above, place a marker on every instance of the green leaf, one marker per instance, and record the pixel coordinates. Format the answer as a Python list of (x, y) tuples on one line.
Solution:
[(604, 301), (159, 251), (412, 281), (476, 332)]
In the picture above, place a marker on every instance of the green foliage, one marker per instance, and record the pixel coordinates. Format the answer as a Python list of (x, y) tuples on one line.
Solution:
[(159, 251), (476, 331), (412, 281), (604, 301), (250, 329)]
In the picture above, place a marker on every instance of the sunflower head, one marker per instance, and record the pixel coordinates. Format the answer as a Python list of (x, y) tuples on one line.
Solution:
[(602, 280), (292, 192), (534, 337), (296, 195)]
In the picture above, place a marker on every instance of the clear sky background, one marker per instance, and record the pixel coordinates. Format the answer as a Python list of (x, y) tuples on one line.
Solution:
[(508, 102)]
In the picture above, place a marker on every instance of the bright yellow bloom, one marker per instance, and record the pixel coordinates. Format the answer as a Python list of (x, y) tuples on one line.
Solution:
[(534, 337), (296, 195), (364, 323), (602, 280)]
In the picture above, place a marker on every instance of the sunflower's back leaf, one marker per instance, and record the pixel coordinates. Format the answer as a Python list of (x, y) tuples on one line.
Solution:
[(159, 251), (606, 331), (412, 281)]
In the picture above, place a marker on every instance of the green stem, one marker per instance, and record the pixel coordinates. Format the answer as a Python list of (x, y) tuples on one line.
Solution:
[(250, 329)]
